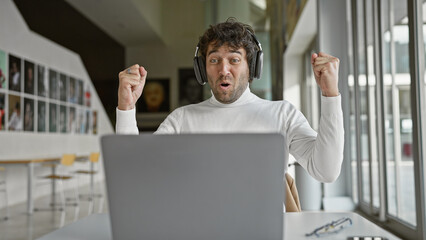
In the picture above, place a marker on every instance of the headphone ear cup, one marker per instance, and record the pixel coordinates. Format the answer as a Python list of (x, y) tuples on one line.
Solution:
[(259, 65), (253, 67), (200, 70)]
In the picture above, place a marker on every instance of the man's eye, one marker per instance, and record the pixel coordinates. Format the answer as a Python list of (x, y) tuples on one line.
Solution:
[(213, 60), (235, 60)]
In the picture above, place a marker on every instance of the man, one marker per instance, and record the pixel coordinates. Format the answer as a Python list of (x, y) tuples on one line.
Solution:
[(15, 120), (228, 51), (14, 76)]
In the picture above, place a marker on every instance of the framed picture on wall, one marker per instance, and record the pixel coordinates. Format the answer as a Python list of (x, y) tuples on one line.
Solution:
[(72, 124), (81, 120), (72, 94), (80, 92), (87, 95), (15, 113), (95, 122), (62, 119), (2, 111), (3, 70), (28, 115), (155, 97), (42, 81), (41, 116), (53, 84), (53, 117), (29, 77), (62, 87), (190, 91), (14, 73), (88, 122)]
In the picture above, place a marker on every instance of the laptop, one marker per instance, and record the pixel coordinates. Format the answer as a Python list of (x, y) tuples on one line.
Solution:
[(195, 186)]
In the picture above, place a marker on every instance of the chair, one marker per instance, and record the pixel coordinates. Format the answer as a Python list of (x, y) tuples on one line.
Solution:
[(94, 163), (292, 203), (60, 174), (3, 190)]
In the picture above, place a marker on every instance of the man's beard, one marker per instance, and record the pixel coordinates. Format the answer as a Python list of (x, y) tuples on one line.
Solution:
[(231, 95)]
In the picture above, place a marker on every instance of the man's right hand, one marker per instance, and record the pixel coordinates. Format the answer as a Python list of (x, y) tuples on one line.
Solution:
[(132, 80)]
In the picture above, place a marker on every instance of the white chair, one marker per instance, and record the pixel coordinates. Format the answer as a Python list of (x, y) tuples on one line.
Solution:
[(3, 190)]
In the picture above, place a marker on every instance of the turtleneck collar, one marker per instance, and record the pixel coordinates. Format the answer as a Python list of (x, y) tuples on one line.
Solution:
[(246, 97)]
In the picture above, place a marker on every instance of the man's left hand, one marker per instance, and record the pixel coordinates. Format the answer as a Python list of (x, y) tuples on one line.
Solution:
[(326, 71)]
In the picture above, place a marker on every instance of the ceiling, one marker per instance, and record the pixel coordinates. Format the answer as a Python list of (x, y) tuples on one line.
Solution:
[(126, 22), (122, 20)]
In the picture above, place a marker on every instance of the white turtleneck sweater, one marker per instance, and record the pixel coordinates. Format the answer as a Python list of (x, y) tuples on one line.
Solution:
[(321, 153)]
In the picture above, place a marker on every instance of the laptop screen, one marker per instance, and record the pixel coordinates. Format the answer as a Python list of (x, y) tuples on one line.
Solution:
[(197, 186)]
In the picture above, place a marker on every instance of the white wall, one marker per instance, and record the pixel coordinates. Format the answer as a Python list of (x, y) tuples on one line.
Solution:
[(17, 39)]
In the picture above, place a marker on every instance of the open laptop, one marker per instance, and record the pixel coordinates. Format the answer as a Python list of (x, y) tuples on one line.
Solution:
[(195, 186)]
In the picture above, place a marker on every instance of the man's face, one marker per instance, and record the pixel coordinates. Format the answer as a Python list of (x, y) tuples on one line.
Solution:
[(14, 67), (154, 94), (227, 72), (30, 74)]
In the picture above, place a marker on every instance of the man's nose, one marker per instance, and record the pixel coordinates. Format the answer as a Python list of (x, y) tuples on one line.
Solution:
[(224, 68)]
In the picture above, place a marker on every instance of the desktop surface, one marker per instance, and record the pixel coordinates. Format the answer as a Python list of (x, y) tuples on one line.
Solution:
[(97, 227), (299, 224)]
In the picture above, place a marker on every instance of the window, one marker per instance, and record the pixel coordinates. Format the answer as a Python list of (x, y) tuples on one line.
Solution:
[(365, 118), (371, 92), (361, 84), (381, 117), (400, 172), (352, 117)]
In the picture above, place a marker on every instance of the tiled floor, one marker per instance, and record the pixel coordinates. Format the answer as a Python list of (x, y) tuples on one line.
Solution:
[(21, 226)]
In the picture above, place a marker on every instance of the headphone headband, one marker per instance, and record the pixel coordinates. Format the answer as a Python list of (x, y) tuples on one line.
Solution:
[(255, 40), (253, 36), (196, 49)]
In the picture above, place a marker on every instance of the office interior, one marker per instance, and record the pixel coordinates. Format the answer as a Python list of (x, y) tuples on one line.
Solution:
[(79, 47)]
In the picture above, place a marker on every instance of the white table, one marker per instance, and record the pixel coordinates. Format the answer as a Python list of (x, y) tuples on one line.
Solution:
[(30, 162), (30, 175), (97, 227), (298, 224)]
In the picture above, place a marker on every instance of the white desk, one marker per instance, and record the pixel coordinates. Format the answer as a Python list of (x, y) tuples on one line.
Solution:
[(97, 227), (298, 224), (30, 175)]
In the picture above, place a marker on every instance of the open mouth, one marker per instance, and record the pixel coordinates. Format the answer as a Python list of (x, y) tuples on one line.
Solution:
[(225, 86)]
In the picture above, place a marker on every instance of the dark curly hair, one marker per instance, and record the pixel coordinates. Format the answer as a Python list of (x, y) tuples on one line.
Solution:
[(233, 34)]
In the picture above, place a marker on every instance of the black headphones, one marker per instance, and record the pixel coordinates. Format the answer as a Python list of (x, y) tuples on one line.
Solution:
[(255, 69)]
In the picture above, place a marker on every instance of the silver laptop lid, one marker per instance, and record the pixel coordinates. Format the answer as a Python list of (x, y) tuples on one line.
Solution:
[(198, 186)]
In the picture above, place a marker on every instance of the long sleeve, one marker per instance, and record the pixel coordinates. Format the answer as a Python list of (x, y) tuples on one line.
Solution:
[(126, 122), (320, 155), (172, 124)]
